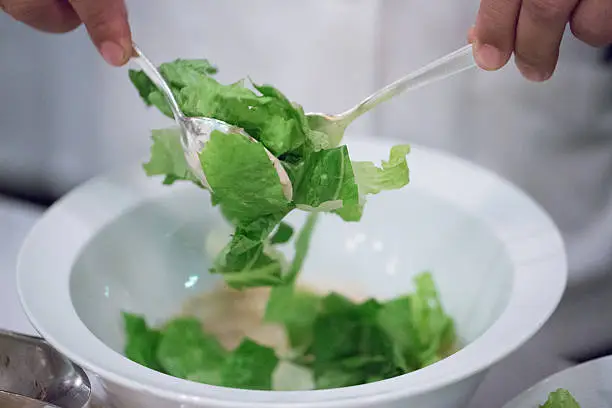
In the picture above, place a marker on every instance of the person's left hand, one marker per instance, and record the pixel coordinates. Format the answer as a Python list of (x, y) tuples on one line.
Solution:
[(533, 29)]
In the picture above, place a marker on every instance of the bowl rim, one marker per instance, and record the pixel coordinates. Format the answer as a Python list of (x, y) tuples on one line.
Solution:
[(532, 241)]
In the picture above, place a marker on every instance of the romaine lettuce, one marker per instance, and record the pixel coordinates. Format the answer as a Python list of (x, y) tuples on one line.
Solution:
[(243, 180)]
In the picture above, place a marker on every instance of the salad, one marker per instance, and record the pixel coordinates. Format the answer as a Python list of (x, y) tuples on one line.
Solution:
[(337, 341)]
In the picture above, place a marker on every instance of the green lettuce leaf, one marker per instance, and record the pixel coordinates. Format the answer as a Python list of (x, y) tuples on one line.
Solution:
[(250, 366), (349, 346), (337, 377), (418, 325), (268, 115), (268, 119), (342, 342), (560, 399), (350, 343), (182, 72), (142, 342), (327, 177), (285, 130), (283, 234), (302, 244), (265, 271), (179, 74), (243, 178), (353, 211), (248, 260), (167, 158), (296, 311), (143, 85), (185, 351), (247, 188), (392, 175), (244, 182)]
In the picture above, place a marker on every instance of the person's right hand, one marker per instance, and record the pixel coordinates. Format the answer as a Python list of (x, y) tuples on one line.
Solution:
[(106, 22), (532, 30)]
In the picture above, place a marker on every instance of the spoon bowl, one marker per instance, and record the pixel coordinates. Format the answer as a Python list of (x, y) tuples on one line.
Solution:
[(32, 372)]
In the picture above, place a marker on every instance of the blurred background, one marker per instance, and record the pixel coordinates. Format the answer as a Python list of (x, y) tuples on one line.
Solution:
[(65, 116)]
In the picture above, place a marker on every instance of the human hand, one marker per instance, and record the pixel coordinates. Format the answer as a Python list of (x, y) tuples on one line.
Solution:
[(106, 22), (533, 29)]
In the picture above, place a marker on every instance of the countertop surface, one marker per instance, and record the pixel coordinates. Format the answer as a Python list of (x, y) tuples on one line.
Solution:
[(523, 368)]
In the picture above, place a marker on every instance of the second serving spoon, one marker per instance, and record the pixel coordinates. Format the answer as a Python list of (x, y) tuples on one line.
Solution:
[(335, 125)]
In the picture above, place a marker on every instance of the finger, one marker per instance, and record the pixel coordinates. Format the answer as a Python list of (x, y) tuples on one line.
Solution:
[(108, 27), (538, 36), (53, 16), (592, 22), (494, 33)]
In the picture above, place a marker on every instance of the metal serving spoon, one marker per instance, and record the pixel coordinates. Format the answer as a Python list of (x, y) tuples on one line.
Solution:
[(35, 375), (196, 131), (10, 400), (451, 64)]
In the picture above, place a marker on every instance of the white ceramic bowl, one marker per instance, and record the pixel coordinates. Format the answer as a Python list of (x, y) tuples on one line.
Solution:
[(590, 383), (125, 242)]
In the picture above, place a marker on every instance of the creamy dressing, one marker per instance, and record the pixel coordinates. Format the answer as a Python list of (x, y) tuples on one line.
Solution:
[(230, 315)]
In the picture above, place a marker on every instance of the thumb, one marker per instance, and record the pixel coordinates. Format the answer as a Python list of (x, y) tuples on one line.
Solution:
[(108, 27)]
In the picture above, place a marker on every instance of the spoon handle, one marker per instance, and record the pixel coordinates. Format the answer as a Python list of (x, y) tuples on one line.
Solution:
[(154, 75), (451, 64)]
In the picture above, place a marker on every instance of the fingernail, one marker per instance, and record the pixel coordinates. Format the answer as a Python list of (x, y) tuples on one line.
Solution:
[(471, 35), (489, 57), (113, 53), (532, 73)]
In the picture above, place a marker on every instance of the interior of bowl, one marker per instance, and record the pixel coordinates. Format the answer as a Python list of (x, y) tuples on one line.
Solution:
[(155, 257)]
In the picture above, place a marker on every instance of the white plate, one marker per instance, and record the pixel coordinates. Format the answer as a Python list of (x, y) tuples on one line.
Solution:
[(590, 384)]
